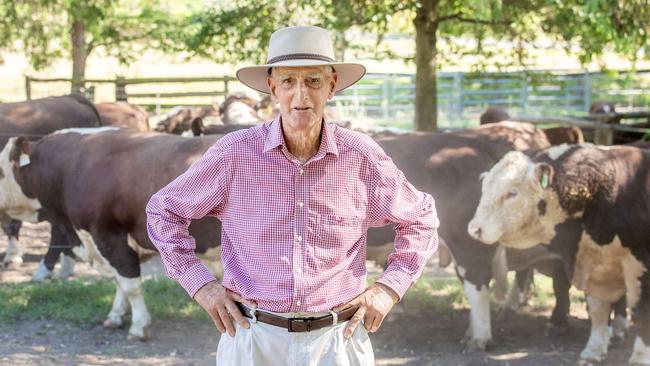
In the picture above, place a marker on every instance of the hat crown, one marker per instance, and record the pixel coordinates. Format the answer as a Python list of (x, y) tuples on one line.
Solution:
[(300, 41)]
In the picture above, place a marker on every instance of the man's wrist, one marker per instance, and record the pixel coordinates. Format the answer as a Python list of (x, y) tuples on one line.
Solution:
[(385, 288)]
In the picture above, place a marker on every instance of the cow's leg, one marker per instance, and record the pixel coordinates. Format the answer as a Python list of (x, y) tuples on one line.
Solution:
[(596, 348), (120, 307), (112, 255), (619, 325), (14, 255), (519, 292), (480, 330), (561, 286), (641, 318), (58, 244)]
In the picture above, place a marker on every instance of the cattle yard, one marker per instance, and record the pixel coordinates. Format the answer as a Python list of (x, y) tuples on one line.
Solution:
[(424, 329)]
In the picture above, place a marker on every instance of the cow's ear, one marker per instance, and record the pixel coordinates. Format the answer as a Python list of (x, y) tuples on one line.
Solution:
[(20, 151), (544, 174)]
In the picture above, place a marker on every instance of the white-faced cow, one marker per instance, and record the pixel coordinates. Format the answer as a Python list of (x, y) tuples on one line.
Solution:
[(36, 118), (448, 166), (95, 183), (591, 205)]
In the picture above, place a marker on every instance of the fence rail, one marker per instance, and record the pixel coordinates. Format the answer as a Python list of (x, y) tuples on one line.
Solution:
[(388, 98)]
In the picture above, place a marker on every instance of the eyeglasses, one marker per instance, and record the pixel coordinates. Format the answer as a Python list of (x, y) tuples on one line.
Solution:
[(288, 82)]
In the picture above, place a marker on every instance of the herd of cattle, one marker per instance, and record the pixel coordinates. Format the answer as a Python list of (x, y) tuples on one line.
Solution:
[(577, 212)]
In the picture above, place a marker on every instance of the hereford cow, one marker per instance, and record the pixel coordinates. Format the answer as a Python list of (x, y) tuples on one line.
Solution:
[(62, 178), (591, 205), (36, 118), (448, 166), (123, 114)]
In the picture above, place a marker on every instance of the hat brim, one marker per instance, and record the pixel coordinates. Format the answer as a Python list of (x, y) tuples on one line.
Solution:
[(255, 76)]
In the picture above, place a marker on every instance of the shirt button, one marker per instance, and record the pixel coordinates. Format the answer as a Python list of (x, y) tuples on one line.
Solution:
[(299, 270), (299, 238), (298, 302), (300, 204), (302, 171)]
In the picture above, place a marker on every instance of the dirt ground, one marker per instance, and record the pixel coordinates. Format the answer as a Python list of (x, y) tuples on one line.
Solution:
[(409, 336)]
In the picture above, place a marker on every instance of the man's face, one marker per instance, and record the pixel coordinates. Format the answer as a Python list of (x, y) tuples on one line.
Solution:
[(302, 93)]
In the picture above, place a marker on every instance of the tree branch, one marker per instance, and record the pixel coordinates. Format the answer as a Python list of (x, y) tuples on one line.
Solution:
[(459, 17)]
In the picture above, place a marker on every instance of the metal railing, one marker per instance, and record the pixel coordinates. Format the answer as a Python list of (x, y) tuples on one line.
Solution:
[(388, 98)]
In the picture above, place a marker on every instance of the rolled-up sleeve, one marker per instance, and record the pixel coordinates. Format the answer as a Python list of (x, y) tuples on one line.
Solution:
[(395, 200), (201, 191)]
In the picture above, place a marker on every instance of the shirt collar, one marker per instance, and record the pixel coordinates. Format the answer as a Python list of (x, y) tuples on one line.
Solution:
[(275, 138)]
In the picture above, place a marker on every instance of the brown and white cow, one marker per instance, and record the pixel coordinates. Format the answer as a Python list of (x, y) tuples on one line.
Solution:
[(95, 183), (448, 166), (591, 205), (123, 114), (36, 118)]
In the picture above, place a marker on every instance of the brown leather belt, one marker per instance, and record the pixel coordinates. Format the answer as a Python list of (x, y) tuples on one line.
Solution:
[(296, 325)]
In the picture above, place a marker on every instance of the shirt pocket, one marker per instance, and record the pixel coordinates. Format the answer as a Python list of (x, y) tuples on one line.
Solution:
[(335, 237)]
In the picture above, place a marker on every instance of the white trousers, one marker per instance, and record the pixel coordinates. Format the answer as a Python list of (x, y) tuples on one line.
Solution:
[(268, 345)]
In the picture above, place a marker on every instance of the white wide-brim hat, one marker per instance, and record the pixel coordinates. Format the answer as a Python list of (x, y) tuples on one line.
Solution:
[(300, 46)]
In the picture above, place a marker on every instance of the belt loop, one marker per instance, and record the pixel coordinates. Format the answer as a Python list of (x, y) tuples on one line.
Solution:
[(254, 315), (335, 317)]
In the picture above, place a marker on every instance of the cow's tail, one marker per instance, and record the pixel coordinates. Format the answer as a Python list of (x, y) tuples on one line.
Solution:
[(83, 100)]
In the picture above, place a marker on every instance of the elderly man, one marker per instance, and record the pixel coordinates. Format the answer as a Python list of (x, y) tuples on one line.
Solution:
[(295, 197)]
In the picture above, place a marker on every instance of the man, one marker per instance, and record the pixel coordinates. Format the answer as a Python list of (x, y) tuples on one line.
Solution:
[(295, 197)]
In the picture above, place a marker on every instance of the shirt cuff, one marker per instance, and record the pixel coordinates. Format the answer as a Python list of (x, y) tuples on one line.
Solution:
[(398, 281), (195, 277)]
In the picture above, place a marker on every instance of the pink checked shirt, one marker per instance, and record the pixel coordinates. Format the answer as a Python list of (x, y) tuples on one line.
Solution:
[(294, 236)]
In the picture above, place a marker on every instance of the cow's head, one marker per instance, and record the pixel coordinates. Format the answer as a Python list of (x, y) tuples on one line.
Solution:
[(518, 207), (13, 158)]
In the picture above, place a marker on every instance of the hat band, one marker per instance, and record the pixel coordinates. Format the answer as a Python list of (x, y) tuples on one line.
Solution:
[(299, 56)]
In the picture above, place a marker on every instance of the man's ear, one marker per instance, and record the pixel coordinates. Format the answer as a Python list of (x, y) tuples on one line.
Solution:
[(271, 85)]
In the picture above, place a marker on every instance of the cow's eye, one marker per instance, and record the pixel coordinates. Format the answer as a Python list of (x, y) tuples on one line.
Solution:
[(511, 194)]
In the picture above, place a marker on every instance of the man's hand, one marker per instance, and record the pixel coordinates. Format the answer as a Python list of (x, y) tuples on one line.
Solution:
[(374, 304), (219, 302)]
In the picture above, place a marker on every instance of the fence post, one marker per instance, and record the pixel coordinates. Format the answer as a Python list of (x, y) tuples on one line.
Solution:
[(524, 92), (458, 94), (120, 89), (385, 98), (586, 89), (28, 87), (603, 134)]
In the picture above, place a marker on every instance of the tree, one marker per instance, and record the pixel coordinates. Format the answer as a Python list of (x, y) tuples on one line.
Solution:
[(240, 30), (47, 30)]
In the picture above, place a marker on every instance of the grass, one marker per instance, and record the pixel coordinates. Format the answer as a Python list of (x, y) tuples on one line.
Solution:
[(84, 301), (89, 301)]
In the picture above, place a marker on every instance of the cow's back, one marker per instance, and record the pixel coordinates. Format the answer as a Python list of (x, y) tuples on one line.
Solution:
[(123, 114), (106, 179), (42, 116)]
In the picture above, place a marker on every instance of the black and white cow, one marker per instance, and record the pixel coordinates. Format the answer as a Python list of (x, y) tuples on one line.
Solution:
[(591, 205), (95, 184), (448, 166), (36, 118)]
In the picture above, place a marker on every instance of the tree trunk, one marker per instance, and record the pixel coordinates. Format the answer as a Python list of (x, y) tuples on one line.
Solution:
[(79, 56), (426, 27), (340, 44)]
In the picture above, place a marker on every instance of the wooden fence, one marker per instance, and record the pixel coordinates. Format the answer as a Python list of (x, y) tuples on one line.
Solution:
[(388, 98)]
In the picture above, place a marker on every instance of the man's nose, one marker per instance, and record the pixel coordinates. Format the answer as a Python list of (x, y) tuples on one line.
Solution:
[(301, 91)]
